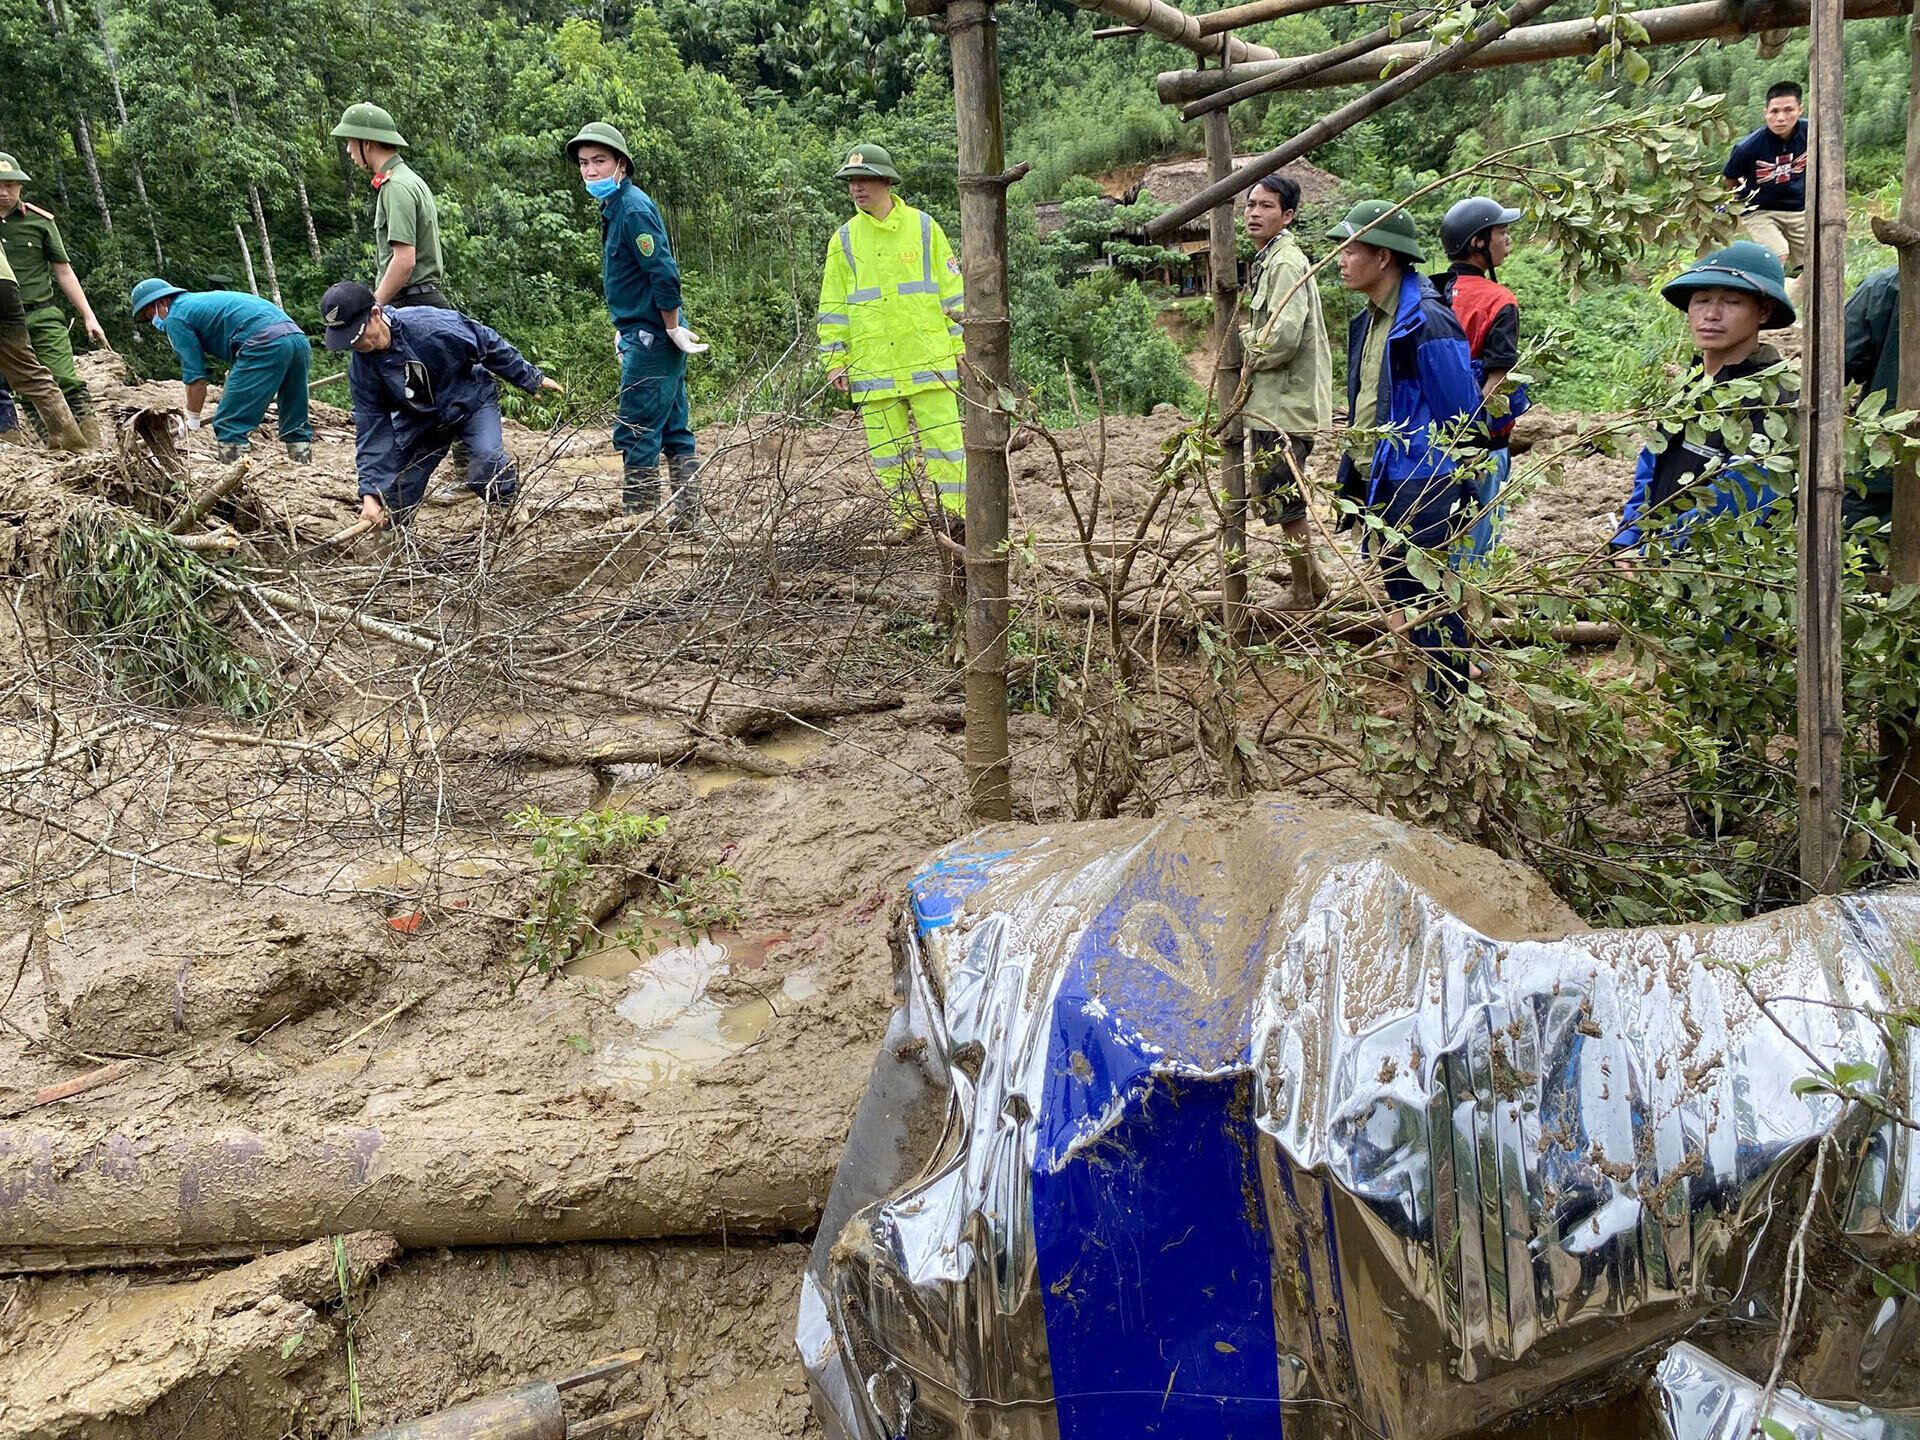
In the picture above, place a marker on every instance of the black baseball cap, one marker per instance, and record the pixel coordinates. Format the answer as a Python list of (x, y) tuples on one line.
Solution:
[(345, 307)]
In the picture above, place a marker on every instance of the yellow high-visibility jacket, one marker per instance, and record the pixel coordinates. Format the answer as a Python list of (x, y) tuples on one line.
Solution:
[(890, 304)]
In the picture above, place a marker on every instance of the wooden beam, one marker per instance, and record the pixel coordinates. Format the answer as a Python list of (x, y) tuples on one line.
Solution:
[(1670, 25), (1347, 116), (1224, 255), (1176, 27), (1822, 716), (973, 37)]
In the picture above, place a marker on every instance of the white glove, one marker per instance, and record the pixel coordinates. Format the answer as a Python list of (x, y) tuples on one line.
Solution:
[(686, 340), (193, 419)]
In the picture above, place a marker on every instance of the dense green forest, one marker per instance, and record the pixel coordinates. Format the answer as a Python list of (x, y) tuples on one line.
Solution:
[(152, 129)]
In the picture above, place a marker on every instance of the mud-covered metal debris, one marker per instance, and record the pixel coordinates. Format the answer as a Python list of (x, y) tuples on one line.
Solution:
[(1294, 1123)]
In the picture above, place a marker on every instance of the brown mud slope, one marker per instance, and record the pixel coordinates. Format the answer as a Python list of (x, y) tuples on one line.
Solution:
[(258, 973)]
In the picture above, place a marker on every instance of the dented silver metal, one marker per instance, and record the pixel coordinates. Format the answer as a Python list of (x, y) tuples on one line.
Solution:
[(1281, 1119)]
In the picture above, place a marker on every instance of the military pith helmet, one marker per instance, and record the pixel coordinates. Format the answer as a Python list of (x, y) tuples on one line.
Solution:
[(152, 292), (600, 133), (10, 168), (1395, 232), (1468, 220), (869, 162), (1743, 265), (367, 121)]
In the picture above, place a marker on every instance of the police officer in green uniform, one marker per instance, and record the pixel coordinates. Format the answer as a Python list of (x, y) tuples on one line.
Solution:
[(406, 222), (39, 259)]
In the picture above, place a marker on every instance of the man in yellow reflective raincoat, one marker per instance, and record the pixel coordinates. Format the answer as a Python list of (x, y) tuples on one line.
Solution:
[(889, 326)]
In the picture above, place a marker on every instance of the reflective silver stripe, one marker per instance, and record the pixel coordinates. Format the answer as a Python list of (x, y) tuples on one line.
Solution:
[(887, 462), (833, 347), (854, 297), (917, 287), (953, 302), (926, 247), (861, 386), (925, 377), (846, 249), (955, 487), (954, 455), (827, 318), (955, 330)]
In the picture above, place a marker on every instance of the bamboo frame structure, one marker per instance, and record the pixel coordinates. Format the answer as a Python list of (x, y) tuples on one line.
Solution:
[(1225, 265)]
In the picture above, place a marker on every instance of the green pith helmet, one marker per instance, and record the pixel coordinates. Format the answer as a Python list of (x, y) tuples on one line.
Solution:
[(1743, 265), (10, 168), (1395, 233), (152, 292), (367, 121), (599, 132), (870, 162)]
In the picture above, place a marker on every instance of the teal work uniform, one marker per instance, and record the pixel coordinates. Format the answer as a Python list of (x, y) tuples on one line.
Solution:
[(33, 244), (642, 282), (267, 355), (404, 213)]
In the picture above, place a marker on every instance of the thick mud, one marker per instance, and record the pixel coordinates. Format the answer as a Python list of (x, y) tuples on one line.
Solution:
[(246, 1014)]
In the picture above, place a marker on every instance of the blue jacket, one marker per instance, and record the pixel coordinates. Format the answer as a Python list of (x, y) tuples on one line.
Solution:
[(1669, 482), (1427, 381), (637, 266), (220, 323), (437, 373)]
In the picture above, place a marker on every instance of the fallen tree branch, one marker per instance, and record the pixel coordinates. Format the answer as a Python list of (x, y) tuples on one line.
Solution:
[(222, 485)]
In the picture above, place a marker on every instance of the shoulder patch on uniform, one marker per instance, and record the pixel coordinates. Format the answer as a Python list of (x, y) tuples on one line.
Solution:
[(953, 264), (645, 242), (35, 209)]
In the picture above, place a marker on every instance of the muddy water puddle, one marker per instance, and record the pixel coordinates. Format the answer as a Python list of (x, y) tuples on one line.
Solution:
[(793, 748), (677, 1028)]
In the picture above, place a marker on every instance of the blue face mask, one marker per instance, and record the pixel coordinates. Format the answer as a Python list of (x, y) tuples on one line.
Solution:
[(159, 322), (601, 189)]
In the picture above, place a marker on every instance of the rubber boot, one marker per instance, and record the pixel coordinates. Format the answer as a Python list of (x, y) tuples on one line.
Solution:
[(640, 489), (1308, 586), (300, 451), (228, 452), (685, 514), (14, 435), (89, 428)]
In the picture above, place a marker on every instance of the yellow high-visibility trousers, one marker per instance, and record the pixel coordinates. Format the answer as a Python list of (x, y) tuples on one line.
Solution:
[(891, 426)]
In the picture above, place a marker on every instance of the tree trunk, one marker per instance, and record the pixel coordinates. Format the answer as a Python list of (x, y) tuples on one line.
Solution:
[(82, 132), (1822, 717), (247, 255), (974, 38), (266, 244), (1224, 258), (306, 216), (120, 108)]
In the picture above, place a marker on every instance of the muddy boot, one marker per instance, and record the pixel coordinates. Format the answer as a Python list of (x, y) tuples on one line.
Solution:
[(14, 435), (89, 429), (300, 451), (640, 489), (685, 514), (228, 452), (1307, 584)]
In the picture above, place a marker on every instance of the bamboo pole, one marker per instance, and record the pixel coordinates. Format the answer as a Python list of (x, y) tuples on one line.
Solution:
[(974, 39), (1176, 27), (1822, 466), (1669, 25), (1289, 73), (1225, 264), (1235, 17), (1346, 117)]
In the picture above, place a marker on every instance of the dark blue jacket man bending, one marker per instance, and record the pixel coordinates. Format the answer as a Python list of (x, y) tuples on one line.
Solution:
[(422, 379)]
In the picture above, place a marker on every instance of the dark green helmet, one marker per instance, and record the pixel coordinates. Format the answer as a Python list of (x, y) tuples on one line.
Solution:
[(599, 132), (869, 162), (367, 121), (1394, 232), (10, 169), (1743, 265)]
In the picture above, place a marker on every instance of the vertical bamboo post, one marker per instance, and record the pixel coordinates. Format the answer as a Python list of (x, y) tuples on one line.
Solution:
[(974, 39), (1225, 263), (1900, 756), (1822, 458)]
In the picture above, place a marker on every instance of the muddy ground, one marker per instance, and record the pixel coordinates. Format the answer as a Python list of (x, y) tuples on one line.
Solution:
[(260, 995)]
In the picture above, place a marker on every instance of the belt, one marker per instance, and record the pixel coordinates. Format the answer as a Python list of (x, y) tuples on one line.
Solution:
[(267, 334), (422, 288)]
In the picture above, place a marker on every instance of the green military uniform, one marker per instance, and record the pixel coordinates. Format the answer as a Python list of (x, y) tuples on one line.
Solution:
[(21, 369), (33, 245), (404, 213)]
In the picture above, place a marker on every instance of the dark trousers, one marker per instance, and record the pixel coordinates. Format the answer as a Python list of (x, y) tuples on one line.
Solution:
[(490, 470), (1426, 522), (652, 415), (427, 294), (1274, 464)]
